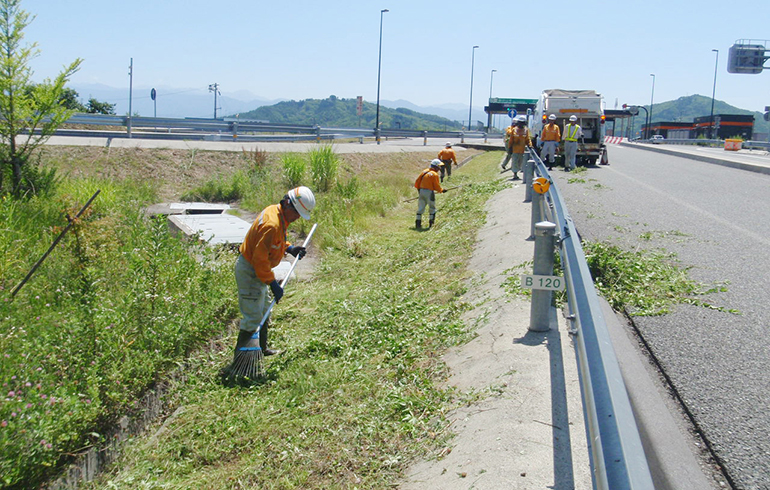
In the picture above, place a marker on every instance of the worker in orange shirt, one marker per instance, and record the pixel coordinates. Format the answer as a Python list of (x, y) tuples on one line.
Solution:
[(428, 184), (549, 138), (506, 142), (518, 142), (447, 157)]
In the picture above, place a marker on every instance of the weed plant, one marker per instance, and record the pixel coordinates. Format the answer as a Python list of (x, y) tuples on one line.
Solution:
[(356, 394), (117, 303), (294, 168), (324, 165)]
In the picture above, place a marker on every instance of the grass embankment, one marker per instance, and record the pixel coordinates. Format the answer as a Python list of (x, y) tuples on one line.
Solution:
[(350, 402)]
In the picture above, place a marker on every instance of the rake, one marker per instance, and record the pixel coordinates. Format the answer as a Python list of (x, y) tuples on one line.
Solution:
[(248, 360)]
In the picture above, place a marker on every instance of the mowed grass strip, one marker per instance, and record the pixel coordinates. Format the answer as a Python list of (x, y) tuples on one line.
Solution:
[(357, 393)]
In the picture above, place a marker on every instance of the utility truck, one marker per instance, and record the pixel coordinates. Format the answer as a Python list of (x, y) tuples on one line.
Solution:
[(587, 105)]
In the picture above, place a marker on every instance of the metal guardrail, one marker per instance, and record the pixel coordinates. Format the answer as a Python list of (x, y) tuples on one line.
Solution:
[(234, 129), (617, 456)]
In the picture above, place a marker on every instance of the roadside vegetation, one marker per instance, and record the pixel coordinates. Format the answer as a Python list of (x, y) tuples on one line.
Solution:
[(121, 302)]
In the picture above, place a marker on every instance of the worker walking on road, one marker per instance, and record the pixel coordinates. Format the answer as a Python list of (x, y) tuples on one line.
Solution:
[(262, 249), (518, 142), (507, 141), (572, 132), (549, 138), (428, 184), (447, 157)]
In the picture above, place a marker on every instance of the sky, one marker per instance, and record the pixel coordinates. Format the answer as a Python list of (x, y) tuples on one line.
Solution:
[(313, 49)]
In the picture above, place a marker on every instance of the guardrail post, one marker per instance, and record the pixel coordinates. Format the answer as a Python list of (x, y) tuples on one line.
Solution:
[(424, 138), (537, 213), (543, 266), (318, 133), (462, 137), (485, 138), (529, 170), (361, 139)]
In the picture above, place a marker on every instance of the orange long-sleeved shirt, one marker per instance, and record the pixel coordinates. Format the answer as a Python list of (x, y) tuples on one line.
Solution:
[(551, 132), (519, 140), (447, 154), (265, 243), (428, 179)]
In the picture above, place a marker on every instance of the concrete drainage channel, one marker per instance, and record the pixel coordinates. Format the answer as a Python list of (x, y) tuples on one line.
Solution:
[(211, 224)]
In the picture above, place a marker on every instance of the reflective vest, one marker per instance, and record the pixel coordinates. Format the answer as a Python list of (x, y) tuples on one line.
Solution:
[(571, 131)]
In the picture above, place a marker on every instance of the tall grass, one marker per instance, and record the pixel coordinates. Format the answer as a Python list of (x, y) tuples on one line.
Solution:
[(119, 301), (324, 165), (294, 168)]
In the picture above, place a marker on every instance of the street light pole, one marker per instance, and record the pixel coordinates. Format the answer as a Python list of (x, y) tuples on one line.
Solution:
[(491, 77), (713, 93), (652, 95), (470, 109), (379, 69)]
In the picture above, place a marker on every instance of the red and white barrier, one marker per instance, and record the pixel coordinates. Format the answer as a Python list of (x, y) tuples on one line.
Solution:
[(613, 140)]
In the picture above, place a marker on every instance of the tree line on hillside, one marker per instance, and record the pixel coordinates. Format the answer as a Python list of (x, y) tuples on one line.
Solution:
[(336, 112)]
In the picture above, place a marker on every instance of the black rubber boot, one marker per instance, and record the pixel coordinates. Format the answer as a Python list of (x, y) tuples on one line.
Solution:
[(418, 224), (263, 340), (430, 223)]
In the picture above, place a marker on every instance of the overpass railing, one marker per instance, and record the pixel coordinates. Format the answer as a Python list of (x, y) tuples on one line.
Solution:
[(618, 461)]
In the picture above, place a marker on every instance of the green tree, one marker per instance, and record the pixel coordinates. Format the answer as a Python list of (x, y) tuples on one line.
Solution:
[(29, 113), (96, 107)]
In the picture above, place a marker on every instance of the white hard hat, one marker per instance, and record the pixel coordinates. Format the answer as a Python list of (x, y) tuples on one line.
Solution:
[(449, 143), (303, 200), (552, 117), (436, 162), (522, 119), (573, 118)]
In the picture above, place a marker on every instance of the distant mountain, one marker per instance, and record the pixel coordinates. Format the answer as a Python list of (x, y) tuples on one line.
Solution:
[(170, 102), (336, 112)]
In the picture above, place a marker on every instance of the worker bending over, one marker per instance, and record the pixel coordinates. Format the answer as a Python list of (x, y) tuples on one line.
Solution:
[(427, 184), (262, 249)]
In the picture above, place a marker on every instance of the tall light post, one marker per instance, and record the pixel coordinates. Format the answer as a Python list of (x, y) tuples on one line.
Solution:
[(379, 69), (470, 109), (491, 77), (652, 95), (713, 93)]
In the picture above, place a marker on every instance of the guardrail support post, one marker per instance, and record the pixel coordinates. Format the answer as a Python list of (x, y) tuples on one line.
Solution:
[(529, 170), (462, 137), (424, 138), (543, 266), (318, 133), (485, 138)]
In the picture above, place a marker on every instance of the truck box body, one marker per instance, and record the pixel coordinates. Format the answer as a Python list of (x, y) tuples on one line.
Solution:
[(586, 105)]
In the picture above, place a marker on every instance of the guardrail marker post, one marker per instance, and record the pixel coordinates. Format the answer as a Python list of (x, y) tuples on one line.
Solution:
[(543, 266), (462, 137), (528, 173), (424, 138), (537, 213)]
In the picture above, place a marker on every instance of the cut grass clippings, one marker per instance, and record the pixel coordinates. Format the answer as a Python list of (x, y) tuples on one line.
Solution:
[(357, 393)]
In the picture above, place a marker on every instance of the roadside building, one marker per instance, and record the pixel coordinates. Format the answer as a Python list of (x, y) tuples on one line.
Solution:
[(725, 126)]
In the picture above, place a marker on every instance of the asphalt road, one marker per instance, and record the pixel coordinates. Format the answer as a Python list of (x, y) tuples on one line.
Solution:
[(715, 220)]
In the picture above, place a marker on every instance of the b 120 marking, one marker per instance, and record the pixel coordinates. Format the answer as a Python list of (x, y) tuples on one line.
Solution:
[(549, 283)]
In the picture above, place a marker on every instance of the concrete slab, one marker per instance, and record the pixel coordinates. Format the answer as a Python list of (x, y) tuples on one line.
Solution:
[(215, 229)]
